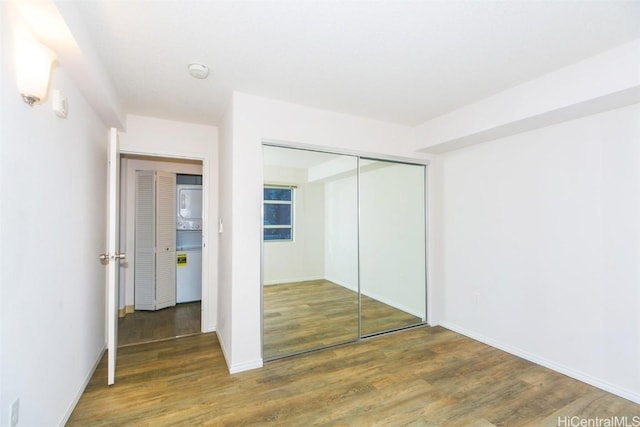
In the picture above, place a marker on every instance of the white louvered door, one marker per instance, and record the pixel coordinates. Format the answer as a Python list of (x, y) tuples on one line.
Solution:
[(165, 240), (145, 237)]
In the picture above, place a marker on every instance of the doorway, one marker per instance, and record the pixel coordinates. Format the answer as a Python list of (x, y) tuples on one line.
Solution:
[(136, 326)]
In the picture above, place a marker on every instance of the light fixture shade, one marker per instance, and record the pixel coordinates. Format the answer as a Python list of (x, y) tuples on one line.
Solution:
[(33, 67)]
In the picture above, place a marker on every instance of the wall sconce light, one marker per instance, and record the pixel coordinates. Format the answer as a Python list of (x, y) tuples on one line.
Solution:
[(33, 67)]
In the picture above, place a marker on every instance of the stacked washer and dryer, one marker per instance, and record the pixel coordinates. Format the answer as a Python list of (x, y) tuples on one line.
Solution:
[(189, 238)]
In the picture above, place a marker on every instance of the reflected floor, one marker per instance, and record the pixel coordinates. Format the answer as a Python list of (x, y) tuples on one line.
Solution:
[(307, 315), (147, 326)]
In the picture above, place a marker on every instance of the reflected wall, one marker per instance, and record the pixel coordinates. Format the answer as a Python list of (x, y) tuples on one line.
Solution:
[(392, 245)]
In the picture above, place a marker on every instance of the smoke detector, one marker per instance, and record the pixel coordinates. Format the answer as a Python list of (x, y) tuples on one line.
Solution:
[(198, 71)]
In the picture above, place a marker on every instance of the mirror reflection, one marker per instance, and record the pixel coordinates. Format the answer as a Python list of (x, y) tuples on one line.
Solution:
[(344, 249), (310, 251), (392, 245)]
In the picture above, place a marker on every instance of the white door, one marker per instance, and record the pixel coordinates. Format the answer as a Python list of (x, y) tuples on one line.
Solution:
[(155, 240), (112, 256), (165, 240), (145, 241)]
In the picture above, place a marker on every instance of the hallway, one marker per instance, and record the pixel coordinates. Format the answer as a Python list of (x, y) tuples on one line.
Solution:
[(148, 326)]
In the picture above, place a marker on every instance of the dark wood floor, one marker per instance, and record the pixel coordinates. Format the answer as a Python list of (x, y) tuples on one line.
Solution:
[(146, 326), (307, 315), (420, 377)]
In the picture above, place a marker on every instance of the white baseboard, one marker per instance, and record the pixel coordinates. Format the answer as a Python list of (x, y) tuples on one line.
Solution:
[(570, 372), (292, 280), (78, 395), (238, 367), (224, 350), (245, 366)]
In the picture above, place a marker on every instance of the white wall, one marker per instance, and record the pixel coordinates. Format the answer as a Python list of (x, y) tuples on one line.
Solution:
[(225, 254), (341, 225), (52, 228), (542, 246), (303, 258), (255, 120), (166, 138), (127, 219)]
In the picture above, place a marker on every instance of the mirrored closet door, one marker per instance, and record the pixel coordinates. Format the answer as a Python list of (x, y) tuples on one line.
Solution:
[(392, 246), (309, 251), (343, 249)]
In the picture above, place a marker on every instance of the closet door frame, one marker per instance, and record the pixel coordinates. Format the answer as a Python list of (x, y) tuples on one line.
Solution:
[(359, 155)]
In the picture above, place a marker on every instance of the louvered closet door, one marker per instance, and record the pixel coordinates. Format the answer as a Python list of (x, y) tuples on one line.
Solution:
[(165, 240), (145, 235)]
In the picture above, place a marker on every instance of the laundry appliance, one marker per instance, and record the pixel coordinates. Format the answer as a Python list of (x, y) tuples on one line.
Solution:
[(189, 243)]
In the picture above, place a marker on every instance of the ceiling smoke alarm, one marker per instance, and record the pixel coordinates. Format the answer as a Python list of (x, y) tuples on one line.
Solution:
[(198, 71)]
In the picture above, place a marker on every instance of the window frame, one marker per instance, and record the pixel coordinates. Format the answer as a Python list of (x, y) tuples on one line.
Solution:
[(291, 204)]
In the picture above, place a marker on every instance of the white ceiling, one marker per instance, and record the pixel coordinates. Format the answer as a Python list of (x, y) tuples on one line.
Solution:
[(398, 61)]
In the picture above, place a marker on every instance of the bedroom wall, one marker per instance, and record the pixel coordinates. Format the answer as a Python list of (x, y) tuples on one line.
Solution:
[(225, 235), (541, 242), (52, 229)]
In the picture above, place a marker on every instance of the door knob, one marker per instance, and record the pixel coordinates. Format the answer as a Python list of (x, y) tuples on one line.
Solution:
[(107, 257)]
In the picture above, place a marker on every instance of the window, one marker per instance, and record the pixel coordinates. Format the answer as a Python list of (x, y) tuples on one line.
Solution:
[(278, 213)]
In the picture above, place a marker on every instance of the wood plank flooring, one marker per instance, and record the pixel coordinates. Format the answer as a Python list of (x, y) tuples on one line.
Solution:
[(420, 377), (146, 326), (307, 315)]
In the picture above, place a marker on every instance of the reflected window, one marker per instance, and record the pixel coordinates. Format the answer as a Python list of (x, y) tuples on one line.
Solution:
[(278, 213)]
